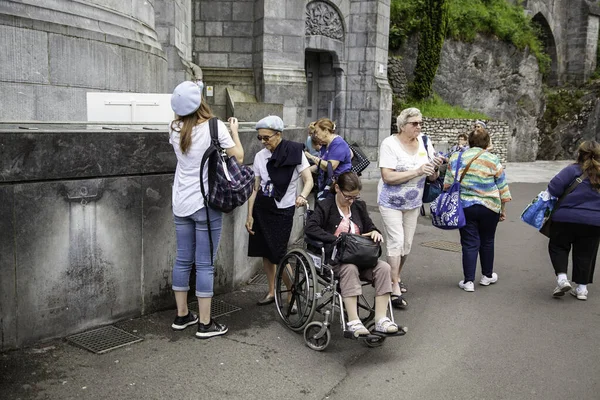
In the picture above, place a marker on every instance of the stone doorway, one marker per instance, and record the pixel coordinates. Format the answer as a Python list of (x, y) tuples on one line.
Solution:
[(321, 90)]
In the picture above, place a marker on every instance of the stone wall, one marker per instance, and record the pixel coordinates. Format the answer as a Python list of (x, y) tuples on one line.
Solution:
[(223, 33), (55, 52), (443, 132)]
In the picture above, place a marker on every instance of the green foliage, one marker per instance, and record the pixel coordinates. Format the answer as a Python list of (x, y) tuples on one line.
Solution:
[(560, 104), (431, 39), (435, 107), (467, 18)]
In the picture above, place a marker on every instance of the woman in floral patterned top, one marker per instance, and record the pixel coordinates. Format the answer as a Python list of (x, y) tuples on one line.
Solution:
[(404, 164)]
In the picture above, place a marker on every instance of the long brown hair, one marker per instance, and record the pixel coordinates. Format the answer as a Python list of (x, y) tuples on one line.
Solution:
[(588, 158), (186, 123)]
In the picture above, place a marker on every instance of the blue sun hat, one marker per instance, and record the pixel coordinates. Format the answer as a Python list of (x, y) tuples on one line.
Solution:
[(272, 122), (186, 98), (479, 122)]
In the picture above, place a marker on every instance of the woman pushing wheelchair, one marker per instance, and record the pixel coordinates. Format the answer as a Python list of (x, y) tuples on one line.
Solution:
[(343, 213)]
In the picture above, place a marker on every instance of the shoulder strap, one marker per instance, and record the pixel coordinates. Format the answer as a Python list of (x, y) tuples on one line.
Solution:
[(214, 131), (469, 164), (212, 148), (571, 187)]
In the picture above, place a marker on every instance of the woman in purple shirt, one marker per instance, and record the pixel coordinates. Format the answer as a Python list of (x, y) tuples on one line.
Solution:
[(334, 150), (576, 223)]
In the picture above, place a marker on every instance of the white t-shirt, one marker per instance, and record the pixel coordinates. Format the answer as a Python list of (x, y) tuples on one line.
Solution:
[(187, 197), (407, 195), (260, 170)]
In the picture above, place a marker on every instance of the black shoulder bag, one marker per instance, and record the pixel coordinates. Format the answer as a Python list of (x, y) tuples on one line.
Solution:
[(359, 250)]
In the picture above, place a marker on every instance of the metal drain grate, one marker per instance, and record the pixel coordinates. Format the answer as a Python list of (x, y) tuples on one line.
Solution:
[(217, 308), (102, 340), (444, 245), (260, 279)]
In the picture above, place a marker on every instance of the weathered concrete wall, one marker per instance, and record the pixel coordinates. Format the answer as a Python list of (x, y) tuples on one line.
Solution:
[(494, 78), (86, 229), (53, 55)]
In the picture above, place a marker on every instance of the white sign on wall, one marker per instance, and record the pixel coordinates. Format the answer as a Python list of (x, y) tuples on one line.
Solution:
[(129, 107)]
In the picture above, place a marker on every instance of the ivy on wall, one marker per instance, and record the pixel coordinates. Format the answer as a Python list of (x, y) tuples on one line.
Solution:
[(431, 39)]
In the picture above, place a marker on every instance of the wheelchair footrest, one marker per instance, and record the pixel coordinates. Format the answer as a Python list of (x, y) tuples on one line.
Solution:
[(350, 335), (401, 332)]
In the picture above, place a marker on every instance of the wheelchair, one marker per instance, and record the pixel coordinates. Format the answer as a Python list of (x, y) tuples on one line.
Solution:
[(305, 285)]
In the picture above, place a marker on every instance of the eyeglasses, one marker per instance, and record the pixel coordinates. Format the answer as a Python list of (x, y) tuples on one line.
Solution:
[(265, 138), (415, 123), (349, 198)]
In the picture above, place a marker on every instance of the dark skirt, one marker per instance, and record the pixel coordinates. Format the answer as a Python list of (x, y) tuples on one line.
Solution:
[(272, 229)]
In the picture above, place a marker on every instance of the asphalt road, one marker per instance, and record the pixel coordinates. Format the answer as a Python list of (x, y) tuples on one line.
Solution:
[(511, 340)]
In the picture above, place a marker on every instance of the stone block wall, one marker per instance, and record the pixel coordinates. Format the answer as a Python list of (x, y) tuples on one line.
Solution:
[(368, 104), (223, 33), (444, 132)]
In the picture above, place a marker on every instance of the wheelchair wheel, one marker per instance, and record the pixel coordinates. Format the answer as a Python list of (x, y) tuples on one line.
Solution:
[(295, 283), (309, 336), (371, 341)]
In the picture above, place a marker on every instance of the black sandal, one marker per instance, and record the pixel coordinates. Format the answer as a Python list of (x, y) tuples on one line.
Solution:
[(398, 301)]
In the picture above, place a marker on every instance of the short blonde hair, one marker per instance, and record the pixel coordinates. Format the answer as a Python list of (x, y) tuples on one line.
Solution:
[(405, 115)]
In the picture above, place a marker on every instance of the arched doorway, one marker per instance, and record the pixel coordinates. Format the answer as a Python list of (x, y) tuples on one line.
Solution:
[(547, 37), (322, 89)]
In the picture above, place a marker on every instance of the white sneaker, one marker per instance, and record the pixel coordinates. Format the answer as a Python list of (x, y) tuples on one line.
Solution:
[(485, 281), (466, 286), (580, 294), (562, 286)]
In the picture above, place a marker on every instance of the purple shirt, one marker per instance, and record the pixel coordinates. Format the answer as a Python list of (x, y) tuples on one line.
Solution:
[(582, 205), (337, 150)]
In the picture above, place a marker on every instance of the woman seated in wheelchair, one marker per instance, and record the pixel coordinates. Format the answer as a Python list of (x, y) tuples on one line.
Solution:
[(342, 213)]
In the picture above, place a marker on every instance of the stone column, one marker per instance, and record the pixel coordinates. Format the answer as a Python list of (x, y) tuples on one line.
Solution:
[(279, 57), (54, 52), (174, 29), (369, 105), (582, 39)]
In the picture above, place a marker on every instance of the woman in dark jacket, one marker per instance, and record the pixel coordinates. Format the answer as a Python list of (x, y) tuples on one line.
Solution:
[(345, 213), (576, 222)]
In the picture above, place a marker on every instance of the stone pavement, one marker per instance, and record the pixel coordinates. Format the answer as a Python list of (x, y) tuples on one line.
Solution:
[(511, 340)]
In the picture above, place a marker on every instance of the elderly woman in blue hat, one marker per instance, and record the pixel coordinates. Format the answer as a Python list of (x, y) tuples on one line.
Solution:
[(189, 134), (277, 168)]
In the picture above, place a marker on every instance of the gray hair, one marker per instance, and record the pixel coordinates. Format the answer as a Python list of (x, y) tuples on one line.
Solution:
[(405, 115)]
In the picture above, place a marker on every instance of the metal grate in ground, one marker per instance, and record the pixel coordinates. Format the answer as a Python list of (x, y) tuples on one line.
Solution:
[(104, 339), (217, 308), (443, 245), (259, 279)]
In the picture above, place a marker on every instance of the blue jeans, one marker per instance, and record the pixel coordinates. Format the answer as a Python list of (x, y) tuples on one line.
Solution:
[(193, 246), (477, 238)]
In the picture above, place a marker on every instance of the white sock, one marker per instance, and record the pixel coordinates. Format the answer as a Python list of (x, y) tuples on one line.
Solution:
[(581, 288), (561, 277)]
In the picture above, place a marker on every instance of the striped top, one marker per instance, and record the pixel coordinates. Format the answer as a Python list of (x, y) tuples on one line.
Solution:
[(484, 183)]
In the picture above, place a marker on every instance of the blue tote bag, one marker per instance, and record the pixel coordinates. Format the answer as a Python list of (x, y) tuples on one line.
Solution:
[(538, 209), (446, 210)]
